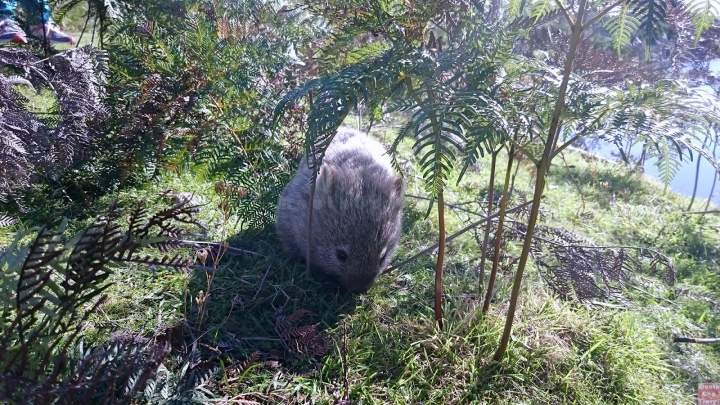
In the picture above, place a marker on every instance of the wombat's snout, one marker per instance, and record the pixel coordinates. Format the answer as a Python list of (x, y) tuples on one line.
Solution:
[(358, 285)]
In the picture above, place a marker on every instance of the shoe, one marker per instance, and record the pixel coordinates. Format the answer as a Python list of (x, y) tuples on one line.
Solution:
[(53, 34), (10, 31)]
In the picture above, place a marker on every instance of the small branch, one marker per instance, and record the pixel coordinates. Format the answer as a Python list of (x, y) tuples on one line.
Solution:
[(453, 206), (602, 14), (572, 140), (498, 233), (455, 235), (524, 152), (218, 246), (641, 248), (568, 17), (654, 296), (486, 237), (703, 341), (203, 268), (566, 144), (261, 283)]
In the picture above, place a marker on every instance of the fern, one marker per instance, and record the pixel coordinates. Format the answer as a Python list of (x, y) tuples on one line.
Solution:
[(515, 8), (49, 288), (668, 160), (651, 15), (703, 14), (622, 26), (668, 120), (37, 148), (541, 8)]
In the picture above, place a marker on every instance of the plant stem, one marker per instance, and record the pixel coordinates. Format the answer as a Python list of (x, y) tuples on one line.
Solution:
[(575, 38), (440, 260), (715, 176), (697, 177), (498, 232), (491, 198)]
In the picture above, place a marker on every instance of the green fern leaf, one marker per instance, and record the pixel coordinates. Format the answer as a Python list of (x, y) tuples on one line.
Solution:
[(541, 8), (668, 162), (703, 14), (652, 14), (515, 8), (622, 26)]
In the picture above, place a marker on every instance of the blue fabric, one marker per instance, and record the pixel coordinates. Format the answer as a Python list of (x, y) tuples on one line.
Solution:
[(37, 11)]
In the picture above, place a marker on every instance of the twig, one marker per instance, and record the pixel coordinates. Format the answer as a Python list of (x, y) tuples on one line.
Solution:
[(204, 268), (263, 338), (704, 212), (653, 296), (216, 245), (567, 15), (521, 343), (704, 341), (455, 235), (453, 206), (261, 283)]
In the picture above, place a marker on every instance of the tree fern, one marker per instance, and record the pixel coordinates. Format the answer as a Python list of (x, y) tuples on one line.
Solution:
[(622, 26)]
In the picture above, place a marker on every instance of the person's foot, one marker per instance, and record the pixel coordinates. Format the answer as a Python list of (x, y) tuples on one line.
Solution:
[(52, 34), (10, 31)]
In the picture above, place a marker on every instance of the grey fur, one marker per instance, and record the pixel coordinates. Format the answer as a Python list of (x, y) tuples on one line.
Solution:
[(357, 209)]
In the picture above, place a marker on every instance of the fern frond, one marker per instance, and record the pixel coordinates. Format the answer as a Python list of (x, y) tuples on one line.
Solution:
[(668, 161), (48, 290), (515, 8), (703, 14), (6, 221), (541, 8), (651, 14), (621, 26)]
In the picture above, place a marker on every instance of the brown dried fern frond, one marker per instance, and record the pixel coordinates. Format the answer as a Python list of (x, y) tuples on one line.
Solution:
[(38, 145), (575, 267), (301, 339), (49, 288)]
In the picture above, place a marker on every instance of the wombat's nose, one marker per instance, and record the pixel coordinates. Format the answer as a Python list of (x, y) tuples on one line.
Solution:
[(360, 289), (360, 286)]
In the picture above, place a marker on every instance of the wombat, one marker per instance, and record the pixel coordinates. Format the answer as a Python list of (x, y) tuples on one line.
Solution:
[(357, 212)]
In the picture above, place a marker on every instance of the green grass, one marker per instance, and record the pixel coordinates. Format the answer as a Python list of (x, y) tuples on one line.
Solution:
[(384, 347)]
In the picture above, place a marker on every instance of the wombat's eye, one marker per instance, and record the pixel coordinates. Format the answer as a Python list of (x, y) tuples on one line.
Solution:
[(341, 255)]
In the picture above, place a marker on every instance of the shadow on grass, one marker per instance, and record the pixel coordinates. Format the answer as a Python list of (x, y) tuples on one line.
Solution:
[(249, 295)]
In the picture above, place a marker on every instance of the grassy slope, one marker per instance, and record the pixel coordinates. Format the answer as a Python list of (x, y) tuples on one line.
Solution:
[(384, 348)]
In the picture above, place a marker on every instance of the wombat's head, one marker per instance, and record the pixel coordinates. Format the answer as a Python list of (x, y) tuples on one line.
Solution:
[(356, 224)]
